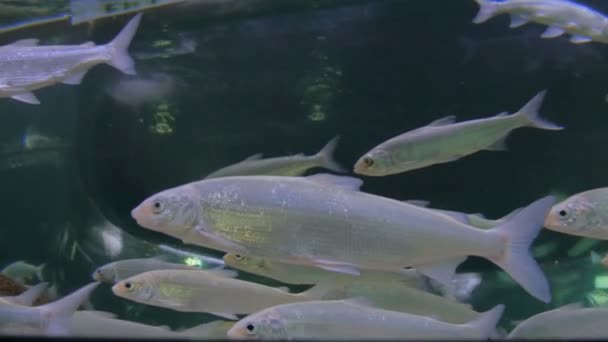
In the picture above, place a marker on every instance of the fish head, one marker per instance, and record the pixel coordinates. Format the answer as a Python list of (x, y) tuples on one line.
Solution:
[(135, 288), (264, 325), (574, 215), (172, 212), (373, 163), (105, 274), (241, 262)]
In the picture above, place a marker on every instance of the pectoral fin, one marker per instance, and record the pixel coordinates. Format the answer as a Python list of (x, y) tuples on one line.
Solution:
[(552, 32), (229, 316), (443, 271), (27, 97), (580, 39)]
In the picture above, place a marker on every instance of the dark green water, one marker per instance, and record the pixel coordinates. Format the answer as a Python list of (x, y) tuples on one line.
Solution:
[(285, 80)]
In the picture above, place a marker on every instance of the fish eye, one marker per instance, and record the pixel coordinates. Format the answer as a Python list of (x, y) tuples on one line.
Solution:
[(239, 257), (250, 329), (157, 206), (563, 213), (128, 285), (368, 161)]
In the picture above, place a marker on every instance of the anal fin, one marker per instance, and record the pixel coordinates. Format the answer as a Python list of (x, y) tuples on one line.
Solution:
[(498, 145), (443, 271), (580, 39), (517, 21), (74, 79), (27, 97), (552, 32)]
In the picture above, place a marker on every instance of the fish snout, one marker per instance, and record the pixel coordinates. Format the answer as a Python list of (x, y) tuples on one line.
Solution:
[(552, 220), (237, 332)]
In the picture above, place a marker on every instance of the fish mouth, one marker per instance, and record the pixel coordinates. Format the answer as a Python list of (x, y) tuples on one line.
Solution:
[(551, 221), (236, 334)]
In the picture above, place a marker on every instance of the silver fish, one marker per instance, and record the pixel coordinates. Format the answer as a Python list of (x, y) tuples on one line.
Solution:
[(123, 269), (584, 214), (25, 66), (331, 320), (571, 321), (49, 320), (282, 166), (322, 221), (444, 141), (583, 23), (213, 291)]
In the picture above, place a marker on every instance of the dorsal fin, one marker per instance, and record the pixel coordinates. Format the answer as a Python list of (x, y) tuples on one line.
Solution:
[(87, 44), (256, 156), (418, 203), (442, 121), (501, 114), (350, 183), (24, 42)]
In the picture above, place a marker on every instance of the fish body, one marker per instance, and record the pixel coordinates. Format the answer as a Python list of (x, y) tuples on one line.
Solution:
[(49, 320), (23, 272), (568, 322), (27, 298), (25, 66), (583, 214), (215, 292), (443, 141), (583, 23), (294, 165), (123, 269), (330, 320), (322, 221)]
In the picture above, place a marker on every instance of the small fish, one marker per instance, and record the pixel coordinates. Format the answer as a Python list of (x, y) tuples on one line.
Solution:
[(324, 221), (584, 214), (571, 321), (444, 141), (294, 165), (459, 288), (331, 320), (123, 269), (212, 291), (23, 272), (25, 66), (583, 23), (138, 91), (48, 320)]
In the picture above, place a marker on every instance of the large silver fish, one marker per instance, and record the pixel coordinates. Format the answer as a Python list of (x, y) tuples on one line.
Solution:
[(331, 320), (25, 66), (323, 221), (444, 141), (583, 23)]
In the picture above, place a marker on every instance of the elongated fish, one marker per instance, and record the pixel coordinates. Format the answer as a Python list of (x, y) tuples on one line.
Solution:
[(584, 214), (331, 320), (460, 287), (48, 320), (443, 141), (123, 269), (211, 291), (583, 23), (571, 321), (282, 166), (25, 66), (323, 221)]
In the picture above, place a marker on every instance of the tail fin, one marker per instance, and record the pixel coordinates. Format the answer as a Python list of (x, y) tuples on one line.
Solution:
[(120, 45), (486, 323), (326, 158), (487, 9), (28, 297), (518, 234), (530, 113), (60, 311)]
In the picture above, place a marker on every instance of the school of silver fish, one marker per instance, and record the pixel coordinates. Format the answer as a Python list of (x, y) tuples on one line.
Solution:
[(376, 267)]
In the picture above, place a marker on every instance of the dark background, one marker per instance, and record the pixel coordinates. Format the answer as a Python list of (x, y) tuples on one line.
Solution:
[(374, 68)]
